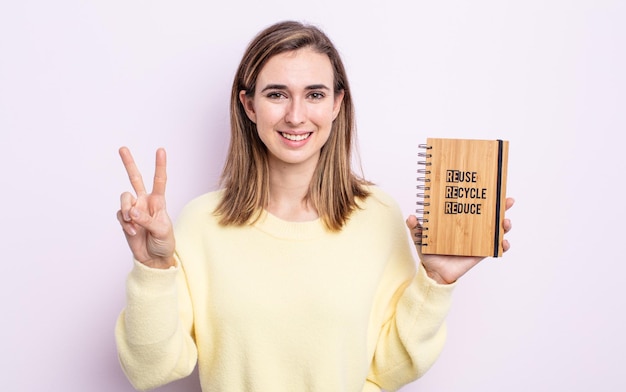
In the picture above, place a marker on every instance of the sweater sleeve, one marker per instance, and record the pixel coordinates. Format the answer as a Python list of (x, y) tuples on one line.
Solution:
[(412, 338), (154, 332)]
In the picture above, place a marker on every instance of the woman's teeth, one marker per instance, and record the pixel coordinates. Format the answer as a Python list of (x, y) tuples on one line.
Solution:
[(295, 138)]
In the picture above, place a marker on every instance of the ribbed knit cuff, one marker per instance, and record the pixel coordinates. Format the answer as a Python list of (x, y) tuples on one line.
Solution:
[(151, 313), (425, 305), (427, 281)]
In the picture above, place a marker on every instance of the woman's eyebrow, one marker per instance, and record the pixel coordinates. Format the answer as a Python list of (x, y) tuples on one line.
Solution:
[(284, 87), (317, 87)]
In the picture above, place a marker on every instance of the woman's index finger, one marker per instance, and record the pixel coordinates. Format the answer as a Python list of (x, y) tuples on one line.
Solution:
[(133, 172), (160, 173)]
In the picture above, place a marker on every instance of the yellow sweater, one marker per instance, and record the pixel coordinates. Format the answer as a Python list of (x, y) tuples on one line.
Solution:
[(285, 306)]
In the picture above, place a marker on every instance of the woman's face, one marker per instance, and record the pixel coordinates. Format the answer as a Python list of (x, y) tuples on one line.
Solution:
[(294, 106)]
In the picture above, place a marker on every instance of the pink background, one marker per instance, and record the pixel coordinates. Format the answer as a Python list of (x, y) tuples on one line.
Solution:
[(78, 79)]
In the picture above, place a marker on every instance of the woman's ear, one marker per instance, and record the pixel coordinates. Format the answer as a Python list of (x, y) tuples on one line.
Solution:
[(248, 105), (337, 103)]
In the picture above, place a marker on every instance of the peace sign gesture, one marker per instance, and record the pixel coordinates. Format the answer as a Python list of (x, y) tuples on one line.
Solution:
[(146, 224)]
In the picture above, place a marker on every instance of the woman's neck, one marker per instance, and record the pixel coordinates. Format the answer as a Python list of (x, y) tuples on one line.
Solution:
[(289, 186)]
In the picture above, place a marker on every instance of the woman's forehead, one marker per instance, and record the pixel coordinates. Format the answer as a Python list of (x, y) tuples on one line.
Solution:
[(302, 67)]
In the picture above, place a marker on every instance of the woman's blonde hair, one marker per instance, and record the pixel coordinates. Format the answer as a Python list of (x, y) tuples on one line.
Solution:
[(334, 189)]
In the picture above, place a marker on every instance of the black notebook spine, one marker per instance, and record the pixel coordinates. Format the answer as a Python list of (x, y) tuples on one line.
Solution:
[(496, 239)]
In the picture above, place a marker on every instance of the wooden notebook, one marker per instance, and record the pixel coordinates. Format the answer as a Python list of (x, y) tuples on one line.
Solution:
[(461, 196)]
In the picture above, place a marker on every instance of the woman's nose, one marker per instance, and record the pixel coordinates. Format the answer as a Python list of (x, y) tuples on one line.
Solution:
[(296, 111)]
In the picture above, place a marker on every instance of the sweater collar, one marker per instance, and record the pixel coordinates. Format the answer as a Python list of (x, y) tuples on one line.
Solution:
[(279, 228)]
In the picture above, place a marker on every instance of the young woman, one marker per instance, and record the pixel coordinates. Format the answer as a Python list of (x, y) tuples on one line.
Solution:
[(297, 275)]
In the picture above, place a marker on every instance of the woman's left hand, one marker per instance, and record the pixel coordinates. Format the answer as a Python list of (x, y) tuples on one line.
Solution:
[(448, 269)]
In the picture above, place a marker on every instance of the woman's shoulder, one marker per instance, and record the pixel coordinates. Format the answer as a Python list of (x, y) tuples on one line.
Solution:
[(206, 199), (201, 206), (378, 196), (379, 211), (379, 205)]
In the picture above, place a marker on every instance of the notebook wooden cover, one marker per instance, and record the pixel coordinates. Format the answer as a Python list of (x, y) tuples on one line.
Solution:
[(462, 196)]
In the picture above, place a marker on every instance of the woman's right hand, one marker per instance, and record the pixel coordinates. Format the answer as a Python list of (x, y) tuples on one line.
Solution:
[(146, 224)]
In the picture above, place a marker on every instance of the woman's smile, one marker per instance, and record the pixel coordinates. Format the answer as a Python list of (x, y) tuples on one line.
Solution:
[(295, 137)]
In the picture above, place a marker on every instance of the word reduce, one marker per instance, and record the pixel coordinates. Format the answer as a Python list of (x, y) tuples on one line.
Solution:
[(463, 189)]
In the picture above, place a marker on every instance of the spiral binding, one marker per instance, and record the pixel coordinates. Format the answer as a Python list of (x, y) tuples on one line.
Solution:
[(423, 193)]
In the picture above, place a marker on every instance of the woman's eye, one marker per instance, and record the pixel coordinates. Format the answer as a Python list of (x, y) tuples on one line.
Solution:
[(316, 95), (275, 95)]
